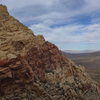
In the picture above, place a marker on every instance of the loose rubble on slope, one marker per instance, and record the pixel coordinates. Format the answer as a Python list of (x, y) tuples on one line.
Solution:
[(34, 69)]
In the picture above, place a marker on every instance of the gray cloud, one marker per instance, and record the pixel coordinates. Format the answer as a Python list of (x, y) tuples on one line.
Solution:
[(51, 9)]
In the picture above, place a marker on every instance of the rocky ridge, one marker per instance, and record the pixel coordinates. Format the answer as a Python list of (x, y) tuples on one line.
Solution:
[(34, 69)]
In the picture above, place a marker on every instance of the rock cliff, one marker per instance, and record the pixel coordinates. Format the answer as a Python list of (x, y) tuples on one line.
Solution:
[(34, 69)]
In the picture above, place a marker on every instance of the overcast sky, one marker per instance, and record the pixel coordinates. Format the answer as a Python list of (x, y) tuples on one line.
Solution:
[(70, 24)]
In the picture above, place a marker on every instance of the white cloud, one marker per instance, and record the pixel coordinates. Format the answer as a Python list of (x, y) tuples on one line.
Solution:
[(58, 20), (70, 33)]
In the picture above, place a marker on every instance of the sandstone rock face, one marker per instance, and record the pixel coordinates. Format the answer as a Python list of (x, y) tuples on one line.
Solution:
[(34, 69)]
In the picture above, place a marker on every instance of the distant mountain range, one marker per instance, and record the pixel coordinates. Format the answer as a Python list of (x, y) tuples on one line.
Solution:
[(79, 51), (91, 60)]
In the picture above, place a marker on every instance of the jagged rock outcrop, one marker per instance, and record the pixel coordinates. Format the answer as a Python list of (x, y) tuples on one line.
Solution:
[(34, 69)]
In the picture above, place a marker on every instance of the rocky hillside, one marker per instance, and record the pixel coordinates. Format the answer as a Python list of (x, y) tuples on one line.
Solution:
[(34, 69), (91, 61)]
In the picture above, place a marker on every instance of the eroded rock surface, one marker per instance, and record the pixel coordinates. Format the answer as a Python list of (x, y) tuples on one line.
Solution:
[(34, 69)]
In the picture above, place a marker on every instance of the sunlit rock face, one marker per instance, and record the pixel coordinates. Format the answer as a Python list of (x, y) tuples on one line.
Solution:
[(34, 69)]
